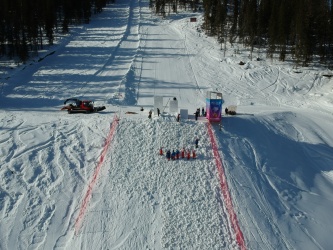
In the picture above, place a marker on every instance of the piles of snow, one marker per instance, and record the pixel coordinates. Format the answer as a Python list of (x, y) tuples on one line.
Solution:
[(277, 151)]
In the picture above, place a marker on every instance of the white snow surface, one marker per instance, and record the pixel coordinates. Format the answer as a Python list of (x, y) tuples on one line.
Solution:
[(277, 152)]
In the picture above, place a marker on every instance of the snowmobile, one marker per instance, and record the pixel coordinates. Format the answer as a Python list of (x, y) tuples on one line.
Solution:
[(73, 105)]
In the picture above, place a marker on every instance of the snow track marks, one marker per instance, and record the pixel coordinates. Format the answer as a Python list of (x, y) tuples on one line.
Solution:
[(92, 183), (225, 191)]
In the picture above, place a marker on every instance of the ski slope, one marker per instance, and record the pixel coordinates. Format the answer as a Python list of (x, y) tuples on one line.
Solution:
[(97, 182)]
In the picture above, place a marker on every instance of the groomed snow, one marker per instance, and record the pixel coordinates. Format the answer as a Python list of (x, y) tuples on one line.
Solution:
[(277, 152)]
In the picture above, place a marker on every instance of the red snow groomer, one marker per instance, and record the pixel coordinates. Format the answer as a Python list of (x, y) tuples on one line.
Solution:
[(74, 105)]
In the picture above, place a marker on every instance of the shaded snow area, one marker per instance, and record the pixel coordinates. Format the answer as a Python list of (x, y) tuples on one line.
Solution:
[(97, 181)]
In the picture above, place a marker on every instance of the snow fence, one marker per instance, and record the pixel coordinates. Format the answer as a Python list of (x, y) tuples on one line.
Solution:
[(225, 191), (93, 180)]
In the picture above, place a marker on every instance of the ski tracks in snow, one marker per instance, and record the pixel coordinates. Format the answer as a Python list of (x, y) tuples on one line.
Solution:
[(144, 201), (39, 162), (25, 171), (251, 184)]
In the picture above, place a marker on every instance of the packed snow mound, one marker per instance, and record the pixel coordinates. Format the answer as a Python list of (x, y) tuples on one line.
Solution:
[(276, 152)]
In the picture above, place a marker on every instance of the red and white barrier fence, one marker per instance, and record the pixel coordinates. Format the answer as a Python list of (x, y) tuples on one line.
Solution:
[(225, 191), (92, 182)]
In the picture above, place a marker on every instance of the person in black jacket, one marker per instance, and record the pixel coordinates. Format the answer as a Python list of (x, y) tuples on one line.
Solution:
[(196, 142), (197, 113), (168, 155)]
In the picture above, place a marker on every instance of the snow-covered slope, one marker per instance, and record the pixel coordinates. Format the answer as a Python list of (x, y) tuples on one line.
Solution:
[(277, 153)]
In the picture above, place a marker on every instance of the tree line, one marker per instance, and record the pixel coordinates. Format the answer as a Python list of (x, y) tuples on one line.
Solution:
[(164, 7), (302, 29), (27, 25)]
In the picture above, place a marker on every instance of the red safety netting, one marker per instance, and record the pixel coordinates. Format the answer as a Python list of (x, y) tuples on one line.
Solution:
[(92, 183), (225, 191)]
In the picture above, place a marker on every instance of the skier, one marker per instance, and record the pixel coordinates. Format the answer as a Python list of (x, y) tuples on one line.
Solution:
[(158, 112), (202, 112), (168, 155), (177, 154), (173, 154), (197, 114), (178, 117), (161, 151), (193, 154), (226, 111), (196, 142), (149, 116)]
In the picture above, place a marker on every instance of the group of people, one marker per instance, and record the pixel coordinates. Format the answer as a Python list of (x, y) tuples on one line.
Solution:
[(197, 113), (151, 112), (176, 154)]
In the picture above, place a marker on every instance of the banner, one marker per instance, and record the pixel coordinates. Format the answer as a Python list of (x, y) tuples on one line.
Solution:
[(214, 109)]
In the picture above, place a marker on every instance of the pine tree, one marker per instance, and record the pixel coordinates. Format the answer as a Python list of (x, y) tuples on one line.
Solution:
[(330, 37), (25, 24), (234, 20), (321, 28), (283, 28), (264, 16), (248, 23)]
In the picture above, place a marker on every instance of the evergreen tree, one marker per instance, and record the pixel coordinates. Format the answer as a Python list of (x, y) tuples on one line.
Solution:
[(234, 20), (283, 28), (302, 33), (329, 54), (248, 23), (321, 28), (27, 24), (264, 16)]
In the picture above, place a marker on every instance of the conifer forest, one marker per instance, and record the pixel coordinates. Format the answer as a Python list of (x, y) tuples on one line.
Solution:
[(27, 25), (300, 30)]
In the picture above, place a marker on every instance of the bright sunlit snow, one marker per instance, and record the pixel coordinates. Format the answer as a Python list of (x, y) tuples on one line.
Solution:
[(277, 152)]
